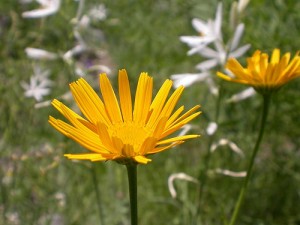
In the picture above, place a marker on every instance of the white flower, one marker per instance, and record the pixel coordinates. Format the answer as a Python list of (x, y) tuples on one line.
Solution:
[(231, 173), (242, 4), (37, 53), (100, 69), (208, 32), (12, 218), (39, 85), (220, 55), (242, 95), (211, 128), (98, 13), (77, 50), (180, 176), (231, 145), (187, 79), (48, 7)]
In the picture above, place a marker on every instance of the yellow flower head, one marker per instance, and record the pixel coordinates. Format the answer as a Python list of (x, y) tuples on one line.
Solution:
[(263, 74), (115, 129)]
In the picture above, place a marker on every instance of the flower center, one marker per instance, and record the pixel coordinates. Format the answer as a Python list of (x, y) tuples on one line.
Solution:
[(132, 135)]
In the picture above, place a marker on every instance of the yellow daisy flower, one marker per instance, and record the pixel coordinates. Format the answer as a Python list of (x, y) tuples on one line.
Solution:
[(262, 74), (115, 130)]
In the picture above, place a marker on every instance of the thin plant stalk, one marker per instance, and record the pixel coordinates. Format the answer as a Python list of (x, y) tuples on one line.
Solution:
[(203, 174), (266, 103), (3, 198), (132, 181), (98, 194)]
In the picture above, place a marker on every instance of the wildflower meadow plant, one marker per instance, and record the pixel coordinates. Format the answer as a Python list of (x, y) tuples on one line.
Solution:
[(83, 58), (122, 131), (210, 33), (214, 51), (266, 75), (109, 132)]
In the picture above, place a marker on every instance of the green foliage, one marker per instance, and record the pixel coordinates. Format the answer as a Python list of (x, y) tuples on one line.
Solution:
[(38, 184)]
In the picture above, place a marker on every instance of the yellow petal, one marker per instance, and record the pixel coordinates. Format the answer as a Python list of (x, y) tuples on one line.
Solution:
[(275, 56), (143, 98), (88, 156), (178, 125), (163, 148), (142, 159), (110, 100), (125, 96), (159, 102), (179, 138), (86, 139), (89, 102)]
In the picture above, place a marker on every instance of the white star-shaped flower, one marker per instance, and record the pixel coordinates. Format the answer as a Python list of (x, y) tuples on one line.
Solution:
[(98, 13), (38, 86), (208, 32), (219, 55)]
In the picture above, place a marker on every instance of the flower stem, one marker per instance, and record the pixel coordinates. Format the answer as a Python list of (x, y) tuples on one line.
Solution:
[(202, 177), (98, 195), (266, 103), (132, 181)]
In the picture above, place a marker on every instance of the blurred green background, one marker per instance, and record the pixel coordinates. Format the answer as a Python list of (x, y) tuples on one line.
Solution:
[(39, 186)]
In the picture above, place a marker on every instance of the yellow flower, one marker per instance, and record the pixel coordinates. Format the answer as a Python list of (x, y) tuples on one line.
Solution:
[(115, 130), (262, 74)]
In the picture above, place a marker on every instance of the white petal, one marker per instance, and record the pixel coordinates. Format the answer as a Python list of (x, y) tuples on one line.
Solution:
[(79, 72), (200, 26), (242, 4), (231, 145), (98, 13), (191, 40), (242, 95), (237, 36), (100, 69), (211, 128), (240, 51), (194, 41), (231, 173), (196, 49), (209, 53), (218, 20), (42, 104), (180, 176), (186, 128), (220, 47), (73, 52), (38, 13), (207, 64), (188, 78), (48, 8), (36, 53)]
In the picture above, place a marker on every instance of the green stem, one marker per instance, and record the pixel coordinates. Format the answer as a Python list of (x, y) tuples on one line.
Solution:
[(3, 198), (266, 103), (132, 181), (203, 174), (98, 195)]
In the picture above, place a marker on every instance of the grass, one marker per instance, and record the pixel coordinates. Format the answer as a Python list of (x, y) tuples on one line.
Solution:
[(39, 186)]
